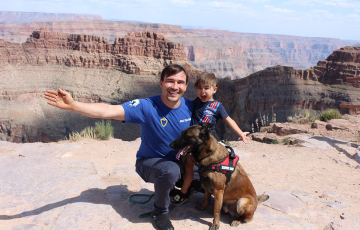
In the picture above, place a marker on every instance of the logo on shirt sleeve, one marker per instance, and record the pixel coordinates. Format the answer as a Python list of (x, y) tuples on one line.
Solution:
[(163, 121), (133, 103)]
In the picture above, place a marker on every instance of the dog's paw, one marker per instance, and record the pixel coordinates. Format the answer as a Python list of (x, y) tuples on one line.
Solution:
[(235, 223), (214, 227), (200, 207)]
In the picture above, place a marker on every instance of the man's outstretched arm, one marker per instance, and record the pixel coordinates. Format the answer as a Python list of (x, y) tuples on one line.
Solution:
[(63, 100)]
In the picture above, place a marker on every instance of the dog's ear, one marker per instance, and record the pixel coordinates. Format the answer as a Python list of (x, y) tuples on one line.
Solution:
[(206, 127)]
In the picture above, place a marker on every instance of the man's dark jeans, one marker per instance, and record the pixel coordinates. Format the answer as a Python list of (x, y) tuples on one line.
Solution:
[(163, 173)]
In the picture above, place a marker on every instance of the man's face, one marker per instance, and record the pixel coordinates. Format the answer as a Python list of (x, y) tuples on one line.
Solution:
[(173, 87)]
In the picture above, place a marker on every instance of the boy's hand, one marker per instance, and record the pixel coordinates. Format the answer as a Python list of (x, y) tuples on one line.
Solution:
[(60, 99), (243, 137)]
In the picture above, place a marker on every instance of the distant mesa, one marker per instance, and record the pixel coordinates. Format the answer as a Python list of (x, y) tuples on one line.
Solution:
[(49, 47), (27, 17)]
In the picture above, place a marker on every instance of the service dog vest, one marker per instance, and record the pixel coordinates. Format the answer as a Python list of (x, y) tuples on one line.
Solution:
[(226, 167)]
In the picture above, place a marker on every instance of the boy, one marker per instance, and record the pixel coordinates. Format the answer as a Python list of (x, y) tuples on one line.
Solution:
[(208, 110)]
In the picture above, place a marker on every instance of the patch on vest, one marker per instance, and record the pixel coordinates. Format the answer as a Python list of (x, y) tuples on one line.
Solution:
[(163, 121), (133, 103)]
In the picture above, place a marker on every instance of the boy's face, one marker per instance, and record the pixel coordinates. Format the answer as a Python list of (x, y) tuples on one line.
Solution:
[(206, 92)]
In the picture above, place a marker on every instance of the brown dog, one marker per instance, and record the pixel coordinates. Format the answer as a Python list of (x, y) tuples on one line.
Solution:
[(238, 196)]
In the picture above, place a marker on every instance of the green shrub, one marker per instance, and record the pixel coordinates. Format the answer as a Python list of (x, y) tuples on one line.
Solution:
[(88, 132), (311, 119), (276, 141), (104, 131), (330, 114), (306, 114), (289, 118), (286, 140)]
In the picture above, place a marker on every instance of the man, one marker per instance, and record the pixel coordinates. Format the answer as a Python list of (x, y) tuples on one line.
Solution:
[(161, 119)]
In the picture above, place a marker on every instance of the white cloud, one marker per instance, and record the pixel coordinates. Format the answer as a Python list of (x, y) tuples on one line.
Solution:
[(225, 5), (334, 3), (183, 2), (322, 13), (253, 1), (278, 10), (354, 16)]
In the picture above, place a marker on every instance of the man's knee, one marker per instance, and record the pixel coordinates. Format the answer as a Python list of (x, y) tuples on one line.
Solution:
[(172, 173)]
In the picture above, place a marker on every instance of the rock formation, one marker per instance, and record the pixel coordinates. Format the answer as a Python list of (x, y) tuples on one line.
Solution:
[(286, 91), (93, 70), (87, 66), (46, 47), (341, 64), (227, 54)]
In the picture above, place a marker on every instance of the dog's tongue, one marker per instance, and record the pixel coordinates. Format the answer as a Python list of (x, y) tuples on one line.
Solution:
[(181, 151)]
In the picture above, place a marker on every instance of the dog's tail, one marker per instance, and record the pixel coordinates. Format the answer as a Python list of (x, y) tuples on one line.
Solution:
[(262, 198)]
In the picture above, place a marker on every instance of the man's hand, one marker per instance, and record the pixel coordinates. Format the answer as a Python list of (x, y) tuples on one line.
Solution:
[(60, 99), (243, 137)]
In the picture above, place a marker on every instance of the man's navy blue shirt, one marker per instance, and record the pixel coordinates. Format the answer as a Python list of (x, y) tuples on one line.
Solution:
[(159, 124)]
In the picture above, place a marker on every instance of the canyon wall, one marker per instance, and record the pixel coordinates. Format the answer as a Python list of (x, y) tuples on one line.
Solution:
[(47, 47), (227, 54), (88, 67), (264, 50), (286, 91), (94, 70)]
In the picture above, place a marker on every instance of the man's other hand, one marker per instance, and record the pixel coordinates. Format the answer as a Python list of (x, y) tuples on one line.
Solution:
[(60, 99)]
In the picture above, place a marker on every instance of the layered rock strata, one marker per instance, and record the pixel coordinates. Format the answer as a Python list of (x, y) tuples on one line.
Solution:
[(88, 67), (46, 47), (227, 54), (286, 91)]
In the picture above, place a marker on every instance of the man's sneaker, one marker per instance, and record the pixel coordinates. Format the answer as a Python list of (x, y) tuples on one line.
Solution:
[(162, 221)]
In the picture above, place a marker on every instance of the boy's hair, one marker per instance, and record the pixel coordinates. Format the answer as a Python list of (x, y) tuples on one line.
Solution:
[(173, 69), (206, 79)]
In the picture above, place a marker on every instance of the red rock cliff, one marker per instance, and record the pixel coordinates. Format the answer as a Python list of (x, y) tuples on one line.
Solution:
[(287, 91), (47, 47), (225, 53), (88, 67)]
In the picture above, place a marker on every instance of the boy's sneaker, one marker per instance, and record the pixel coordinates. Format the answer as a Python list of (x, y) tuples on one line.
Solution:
[(162, 221)]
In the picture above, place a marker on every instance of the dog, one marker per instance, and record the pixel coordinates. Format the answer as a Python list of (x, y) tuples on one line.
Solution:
[(238, 196)]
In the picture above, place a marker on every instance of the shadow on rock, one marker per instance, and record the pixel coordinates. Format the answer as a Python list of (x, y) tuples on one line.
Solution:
[(335, 144), (118, 197)]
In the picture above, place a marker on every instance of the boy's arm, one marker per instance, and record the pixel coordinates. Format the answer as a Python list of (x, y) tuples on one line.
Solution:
[(232, 124), (63, 100)]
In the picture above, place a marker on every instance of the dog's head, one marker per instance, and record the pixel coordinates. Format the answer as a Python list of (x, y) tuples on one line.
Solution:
[(192, 138)]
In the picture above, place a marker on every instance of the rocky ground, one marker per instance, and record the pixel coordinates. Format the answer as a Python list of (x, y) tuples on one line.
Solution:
[(313, 184)]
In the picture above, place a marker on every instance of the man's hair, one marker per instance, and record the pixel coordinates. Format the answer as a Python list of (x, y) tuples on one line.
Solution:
[(171, 70), (206, 79)]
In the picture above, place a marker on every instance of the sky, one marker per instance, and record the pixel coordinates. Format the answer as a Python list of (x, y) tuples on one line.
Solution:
[(306, 18)]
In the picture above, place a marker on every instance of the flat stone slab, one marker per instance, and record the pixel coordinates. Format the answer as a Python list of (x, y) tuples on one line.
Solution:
[(284, 201)]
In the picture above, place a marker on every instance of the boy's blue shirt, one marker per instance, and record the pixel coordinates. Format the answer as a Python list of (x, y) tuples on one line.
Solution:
[(159, 124), (209, 112)]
